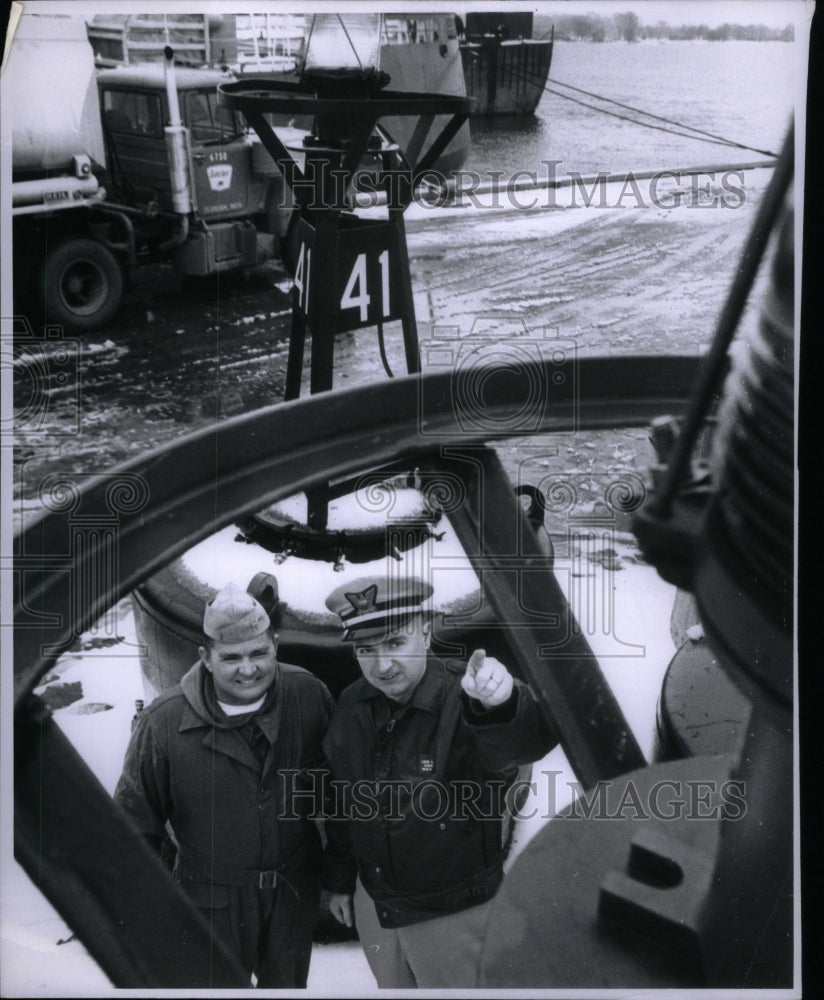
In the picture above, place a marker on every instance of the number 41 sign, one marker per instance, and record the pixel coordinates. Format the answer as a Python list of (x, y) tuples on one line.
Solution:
[(365, 267)]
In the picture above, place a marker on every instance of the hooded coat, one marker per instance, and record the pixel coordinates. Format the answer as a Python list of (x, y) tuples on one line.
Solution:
[(235, 792)]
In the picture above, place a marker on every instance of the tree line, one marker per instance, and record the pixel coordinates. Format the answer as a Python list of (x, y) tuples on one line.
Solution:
[(627, 26)]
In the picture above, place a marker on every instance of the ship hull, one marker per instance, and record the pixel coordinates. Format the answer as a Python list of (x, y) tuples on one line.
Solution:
[(427, 67), (506, 78)]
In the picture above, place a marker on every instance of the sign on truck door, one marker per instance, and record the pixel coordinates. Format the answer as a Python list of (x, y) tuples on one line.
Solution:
[(220, 159)]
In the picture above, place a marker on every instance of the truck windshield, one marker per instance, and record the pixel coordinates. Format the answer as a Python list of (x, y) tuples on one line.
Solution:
[(208, 121)]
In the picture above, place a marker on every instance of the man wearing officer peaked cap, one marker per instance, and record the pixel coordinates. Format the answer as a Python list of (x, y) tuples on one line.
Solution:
[(367, 606), (207, 761), (425, 749)]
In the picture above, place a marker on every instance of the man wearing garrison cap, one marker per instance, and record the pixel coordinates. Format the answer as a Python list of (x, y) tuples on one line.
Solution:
[(207, 761), (426, 749)]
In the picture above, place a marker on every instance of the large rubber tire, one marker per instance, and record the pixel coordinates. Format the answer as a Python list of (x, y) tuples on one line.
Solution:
[(83, 285)]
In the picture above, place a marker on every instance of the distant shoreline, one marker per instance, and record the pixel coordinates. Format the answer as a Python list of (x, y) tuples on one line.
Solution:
[(636, 41), (627, 27)]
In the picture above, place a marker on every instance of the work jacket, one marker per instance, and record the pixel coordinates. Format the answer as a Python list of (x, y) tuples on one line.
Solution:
[(231, 808), (419, 792)]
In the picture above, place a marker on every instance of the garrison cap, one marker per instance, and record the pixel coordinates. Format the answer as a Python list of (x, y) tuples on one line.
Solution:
[(374, 605), (234, 616)]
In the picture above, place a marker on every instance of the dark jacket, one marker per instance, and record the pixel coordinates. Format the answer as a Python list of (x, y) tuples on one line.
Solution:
[(192, 765), (423, 786)]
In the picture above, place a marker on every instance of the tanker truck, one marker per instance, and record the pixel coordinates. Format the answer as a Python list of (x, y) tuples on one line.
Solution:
[(118, 168)]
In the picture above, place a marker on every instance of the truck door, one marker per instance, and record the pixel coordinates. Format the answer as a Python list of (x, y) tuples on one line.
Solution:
[(220, 156), (136, 145)]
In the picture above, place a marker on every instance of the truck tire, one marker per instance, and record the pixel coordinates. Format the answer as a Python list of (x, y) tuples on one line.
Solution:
[(83, 284)]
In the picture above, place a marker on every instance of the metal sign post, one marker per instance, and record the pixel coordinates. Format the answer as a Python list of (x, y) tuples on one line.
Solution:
[(350, 272)]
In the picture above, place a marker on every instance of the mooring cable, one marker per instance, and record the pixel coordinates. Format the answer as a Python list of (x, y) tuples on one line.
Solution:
[(698, 135), (650, 114), (657, 128)]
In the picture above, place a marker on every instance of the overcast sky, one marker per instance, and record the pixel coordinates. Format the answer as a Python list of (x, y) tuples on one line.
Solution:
[(775, 13)]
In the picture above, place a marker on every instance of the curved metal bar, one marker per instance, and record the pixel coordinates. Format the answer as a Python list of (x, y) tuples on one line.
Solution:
[(99, 541), (148, 511), (101, 876)]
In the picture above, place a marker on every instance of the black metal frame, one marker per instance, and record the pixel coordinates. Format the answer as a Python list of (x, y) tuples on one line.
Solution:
[(69, 836), (344, 125)]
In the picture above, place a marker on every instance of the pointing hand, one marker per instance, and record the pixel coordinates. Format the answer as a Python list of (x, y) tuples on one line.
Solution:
[(487, 679)]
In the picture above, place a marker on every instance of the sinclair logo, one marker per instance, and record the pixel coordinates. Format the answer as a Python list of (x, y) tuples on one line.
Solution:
[(220, 177)]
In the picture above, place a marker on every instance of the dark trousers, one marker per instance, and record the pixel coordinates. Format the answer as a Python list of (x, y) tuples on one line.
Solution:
[(268, 930)]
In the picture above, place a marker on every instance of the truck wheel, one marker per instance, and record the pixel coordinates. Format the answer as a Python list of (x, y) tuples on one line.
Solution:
[(83, 284)]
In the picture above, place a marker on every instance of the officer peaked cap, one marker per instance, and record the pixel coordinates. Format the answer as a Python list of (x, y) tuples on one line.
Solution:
[(372, 606)]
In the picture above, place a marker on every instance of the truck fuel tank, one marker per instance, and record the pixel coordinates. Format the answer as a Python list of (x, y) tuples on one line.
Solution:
[(56, 192), (49, 81)]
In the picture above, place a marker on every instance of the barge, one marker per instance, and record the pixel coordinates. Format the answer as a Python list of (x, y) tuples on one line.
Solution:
[(504, 67)]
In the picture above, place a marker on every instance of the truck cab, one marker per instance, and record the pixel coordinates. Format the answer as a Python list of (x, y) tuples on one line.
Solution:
[(229, 187), (122, 167), (135, 111)]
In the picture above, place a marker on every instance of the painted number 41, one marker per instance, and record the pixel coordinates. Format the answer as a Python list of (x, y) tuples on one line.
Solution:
[(356, 291)]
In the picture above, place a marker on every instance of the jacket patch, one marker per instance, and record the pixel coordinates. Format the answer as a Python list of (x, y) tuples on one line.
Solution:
[(426, 764)]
